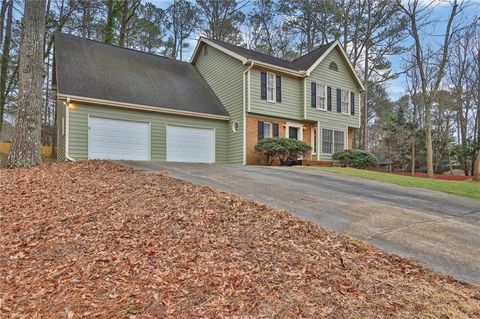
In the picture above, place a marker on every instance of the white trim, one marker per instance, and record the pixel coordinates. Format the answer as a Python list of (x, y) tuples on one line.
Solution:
[(319, 150), (274, 100), (244, 115), (218, 47), (141, 107), (325, 99), (120, 119), (280, 69), (67, 132), (63, 125), (299, 126), (330, 49), (314, 134), (349, 97), (305, 98)]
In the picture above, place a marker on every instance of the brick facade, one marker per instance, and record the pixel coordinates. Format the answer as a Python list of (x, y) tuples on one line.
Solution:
[(254, 158)]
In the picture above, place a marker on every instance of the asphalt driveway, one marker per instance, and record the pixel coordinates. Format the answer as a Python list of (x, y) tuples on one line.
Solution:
[(440, 230)]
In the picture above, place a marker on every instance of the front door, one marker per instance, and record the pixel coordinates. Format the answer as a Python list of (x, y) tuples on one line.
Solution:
[(293, 133)]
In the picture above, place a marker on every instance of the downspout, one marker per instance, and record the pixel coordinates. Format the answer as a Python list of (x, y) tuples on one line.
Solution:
[(245, 111), (67, 134), (305, 98)]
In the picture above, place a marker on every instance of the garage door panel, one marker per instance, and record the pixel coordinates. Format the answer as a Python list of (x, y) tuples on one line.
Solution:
[(190, 144), (118, 139)]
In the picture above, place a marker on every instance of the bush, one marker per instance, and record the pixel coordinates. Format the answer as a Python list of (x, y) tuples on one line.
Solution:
[(355, 158), (286, 151)]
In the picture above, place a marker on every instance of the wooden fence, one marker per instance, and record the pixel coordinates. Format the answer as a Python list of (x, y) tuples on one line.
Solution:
[(44, 150)]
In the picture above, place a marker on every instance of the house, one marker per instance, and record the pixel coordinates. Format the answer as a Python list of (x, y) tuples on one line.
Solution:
[(118, 103)]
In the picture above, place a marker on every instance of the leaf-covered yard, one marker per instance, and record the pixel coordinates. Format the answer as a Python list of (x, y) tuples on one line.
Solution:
[(97, 240)]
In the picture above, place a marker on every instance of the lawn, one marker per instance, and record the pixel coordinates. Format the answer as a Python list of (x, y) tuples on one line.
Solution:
[(462, 188), (98, 240)]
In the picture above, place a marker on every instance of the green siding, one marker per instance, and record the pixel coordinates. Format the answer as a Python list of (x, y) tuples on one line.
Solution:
[(224, 74), (78, 129), (343, 79), (60, 130), (291, 106)]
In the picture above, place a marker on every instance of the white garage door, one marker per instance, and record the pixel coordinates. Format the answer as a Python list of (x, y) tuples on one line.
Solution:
[(190, 144), (118, 139)]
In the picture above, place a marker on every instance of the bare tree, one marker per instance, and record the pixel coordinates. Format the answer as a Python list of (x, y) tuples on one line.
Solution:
[(128, 12), (25, 150), (5, 61), (431, 74)]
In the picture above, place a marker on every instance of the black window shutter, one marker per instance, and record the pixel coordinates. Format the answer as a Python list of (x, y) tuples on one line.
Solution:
[(314, 94), (275, 130), (329, 98), (352, 98), (339, 100), (260, 130), (263, 85), (279, 88)]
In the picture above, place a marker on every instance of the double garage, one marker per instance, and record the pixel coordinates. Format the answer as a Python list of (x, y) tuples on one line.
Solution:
[(130, 140), (100, 132)]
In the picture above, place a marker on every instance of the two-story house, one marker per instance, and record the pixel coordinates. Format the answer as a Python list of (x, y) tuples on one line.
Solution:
[(117, 103)]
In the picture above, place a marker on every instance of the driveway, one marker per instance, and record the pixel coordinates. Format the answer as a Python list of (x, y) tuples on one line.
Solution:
[(440, 230)]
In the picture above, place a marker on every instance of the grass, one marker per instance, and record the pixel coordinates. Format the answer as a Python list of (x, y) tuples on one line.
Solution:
[(462, 188)]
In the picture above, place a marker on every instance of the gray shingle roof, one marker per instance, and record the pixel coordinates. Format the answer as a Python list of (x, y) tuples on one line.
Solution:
[(302, 63), (96, 70)]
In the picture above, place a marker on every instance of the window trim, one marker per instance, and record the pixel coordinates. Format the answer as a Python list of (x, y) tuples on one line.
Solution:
[(274, 84), (314, 141), (348, 102), (345, 146), (271, 129), (298, 126), (317, 84)]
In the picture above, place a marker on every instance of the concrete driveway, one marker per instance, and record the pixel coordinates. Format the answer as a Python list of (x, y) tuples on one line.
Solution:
[(440, 230)]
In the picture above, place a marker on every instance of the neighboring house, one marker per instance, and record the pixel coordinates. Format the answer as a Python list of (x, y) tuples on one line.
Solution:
[(117, 103)]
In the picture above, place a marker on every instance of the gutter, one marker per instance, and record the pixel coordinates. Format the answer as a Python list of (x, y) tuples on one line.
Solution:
[(245, 110), (67, 133)]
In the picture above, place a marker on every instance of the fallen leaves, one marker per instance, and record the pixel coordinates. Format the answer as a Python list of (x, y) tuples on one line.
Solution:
[(97, 240)]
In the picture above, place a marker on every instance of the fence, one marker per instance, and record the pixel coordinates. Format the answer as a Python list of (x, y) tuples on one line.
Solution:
[(44, 150)]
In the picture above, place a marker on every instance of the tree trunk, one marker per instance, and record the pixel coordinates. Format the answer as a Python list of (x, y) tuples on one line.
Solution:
[(108, 30), (428, 140), (365, 103), (5, 61), (25, 150), (123, 24), (477, 168), (3, 12), (412, 170)]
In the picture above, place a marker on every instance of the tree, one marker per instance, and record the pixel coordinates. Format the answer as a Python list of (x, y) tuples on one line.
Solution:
[(25, 149), (128, 12), (5, 61), (222, 19), (430, 72), (183, 18)]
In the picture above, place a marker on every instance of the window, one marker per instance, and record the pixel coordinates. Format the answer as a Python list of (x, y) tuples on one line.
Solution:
[(333, 66), (314, 140), (267, 130), (327, 140), (271, 87), (345, 102), (339, 144), (332, 141), (321, 96)]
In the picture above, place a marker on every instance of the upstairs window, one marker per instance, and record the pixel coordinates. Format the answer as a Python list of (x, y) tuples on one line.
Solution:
[(333, 66), (345, 102), (321, 96), (271, 87)]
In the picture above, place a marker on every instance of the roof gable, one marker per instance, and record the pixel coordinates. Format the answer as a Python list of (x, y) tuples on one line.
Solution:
[(301, 66), (91, 69)]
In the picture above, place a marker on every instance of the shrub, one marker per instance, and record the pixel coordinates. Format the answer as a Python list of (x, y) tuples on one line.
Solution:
[(355, 158), (286, 151)]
